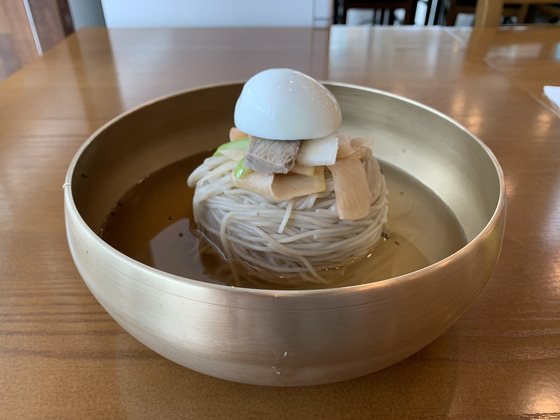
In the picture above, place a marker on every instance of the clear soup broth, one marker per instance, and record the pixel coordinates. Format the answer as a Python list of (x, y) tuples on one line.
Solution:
[(152, 223)]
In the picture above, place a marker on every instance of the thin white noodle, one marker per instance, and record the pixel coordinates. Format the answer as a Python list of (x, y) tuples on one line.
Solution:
[(297, 237), (287, 214)]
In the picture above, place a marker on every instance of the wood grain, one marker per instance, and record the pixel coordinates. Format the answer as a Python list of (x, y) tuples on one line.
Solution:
[(61, 354)]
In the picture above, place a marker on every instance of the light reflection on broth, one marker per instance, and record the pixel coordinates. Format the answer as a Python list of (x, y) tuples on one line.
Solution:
[(152, 223)]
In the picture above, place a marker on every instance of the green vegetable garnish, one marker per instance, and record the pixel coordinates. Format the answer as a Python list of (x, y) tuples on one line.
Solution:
[(241, 170), (240, 144)]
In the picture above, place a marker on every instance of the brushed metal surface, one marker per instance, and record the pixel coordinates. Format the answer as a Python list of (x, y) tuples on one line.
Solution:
[(285, 338)]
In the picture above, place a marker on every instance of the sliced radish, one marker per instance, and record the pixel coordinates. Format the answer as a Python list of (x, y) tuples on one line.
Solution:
[(351, 188)]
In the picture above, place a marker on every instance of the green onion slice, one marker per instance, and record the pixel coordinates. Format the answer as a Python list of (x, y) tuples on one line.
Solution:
[(240, 144), (241, 170)]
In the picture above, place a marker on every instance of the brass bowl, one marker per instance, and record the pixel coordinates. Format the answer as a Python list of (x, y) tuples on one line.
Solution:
[(286, 338)]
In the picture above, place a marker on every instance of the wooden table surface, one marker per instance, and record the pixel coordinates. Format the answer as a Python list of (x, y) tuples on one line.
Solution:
[(62, 356)]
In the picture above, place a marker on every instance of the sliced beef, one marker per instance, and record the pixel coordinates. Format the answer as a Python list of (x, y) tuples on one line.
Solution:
[(271, 156)]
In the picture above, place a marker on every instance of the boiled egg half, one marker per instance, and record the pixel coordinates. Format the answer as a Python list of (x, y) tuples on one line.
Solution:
[(285, 104)]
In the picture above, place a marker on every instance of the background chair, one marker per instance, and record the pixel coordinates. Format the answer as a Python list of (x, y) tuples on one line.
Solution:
[(452, 8), (489, 12), (342, 7)]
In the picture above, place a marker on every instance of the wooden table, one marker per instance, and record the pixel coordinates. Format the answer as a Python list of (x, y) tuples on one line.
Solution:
[(62, 356)]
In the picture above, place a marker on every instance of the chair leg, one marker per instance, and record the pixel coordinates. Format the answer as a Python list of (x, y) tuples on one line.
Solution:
[(428, 10), (336, 12), (451, 18), (522, 14), (439, 11), (410, 14), (391, 17)]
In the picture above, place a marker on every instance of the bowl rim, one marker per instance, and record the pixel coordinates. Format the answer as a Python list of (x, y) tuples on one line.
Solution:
[(70, 208)]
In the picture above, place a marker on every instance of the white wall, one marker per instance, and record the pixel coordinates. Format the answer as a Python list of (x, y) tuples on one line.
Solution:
[(185, 13)]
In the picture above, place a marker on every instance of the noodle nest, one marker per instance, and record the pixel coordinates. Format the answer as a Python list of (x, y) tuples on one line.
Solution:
[(283, 242)]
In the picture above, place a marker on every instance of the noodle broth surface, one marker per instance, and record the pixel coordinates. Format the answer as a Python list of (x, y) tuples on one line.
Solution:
[(153, 224)]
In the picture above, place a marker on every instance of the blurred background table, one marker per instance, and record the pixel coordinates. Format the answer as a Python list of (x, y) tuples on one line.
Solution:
[(62, 356)]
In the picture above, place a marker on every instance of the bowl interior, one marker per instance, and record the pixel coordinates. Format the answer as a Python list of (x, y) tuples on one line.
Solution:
[(427, 145)]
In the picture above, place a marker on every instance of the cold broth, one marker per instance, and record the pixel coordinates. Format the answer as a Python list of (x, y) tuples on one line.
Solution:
[(153, 224)]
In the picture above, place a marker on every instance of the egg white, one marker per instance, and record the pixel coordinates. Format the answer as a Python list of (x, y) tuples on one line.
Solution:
[(284, 104)]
